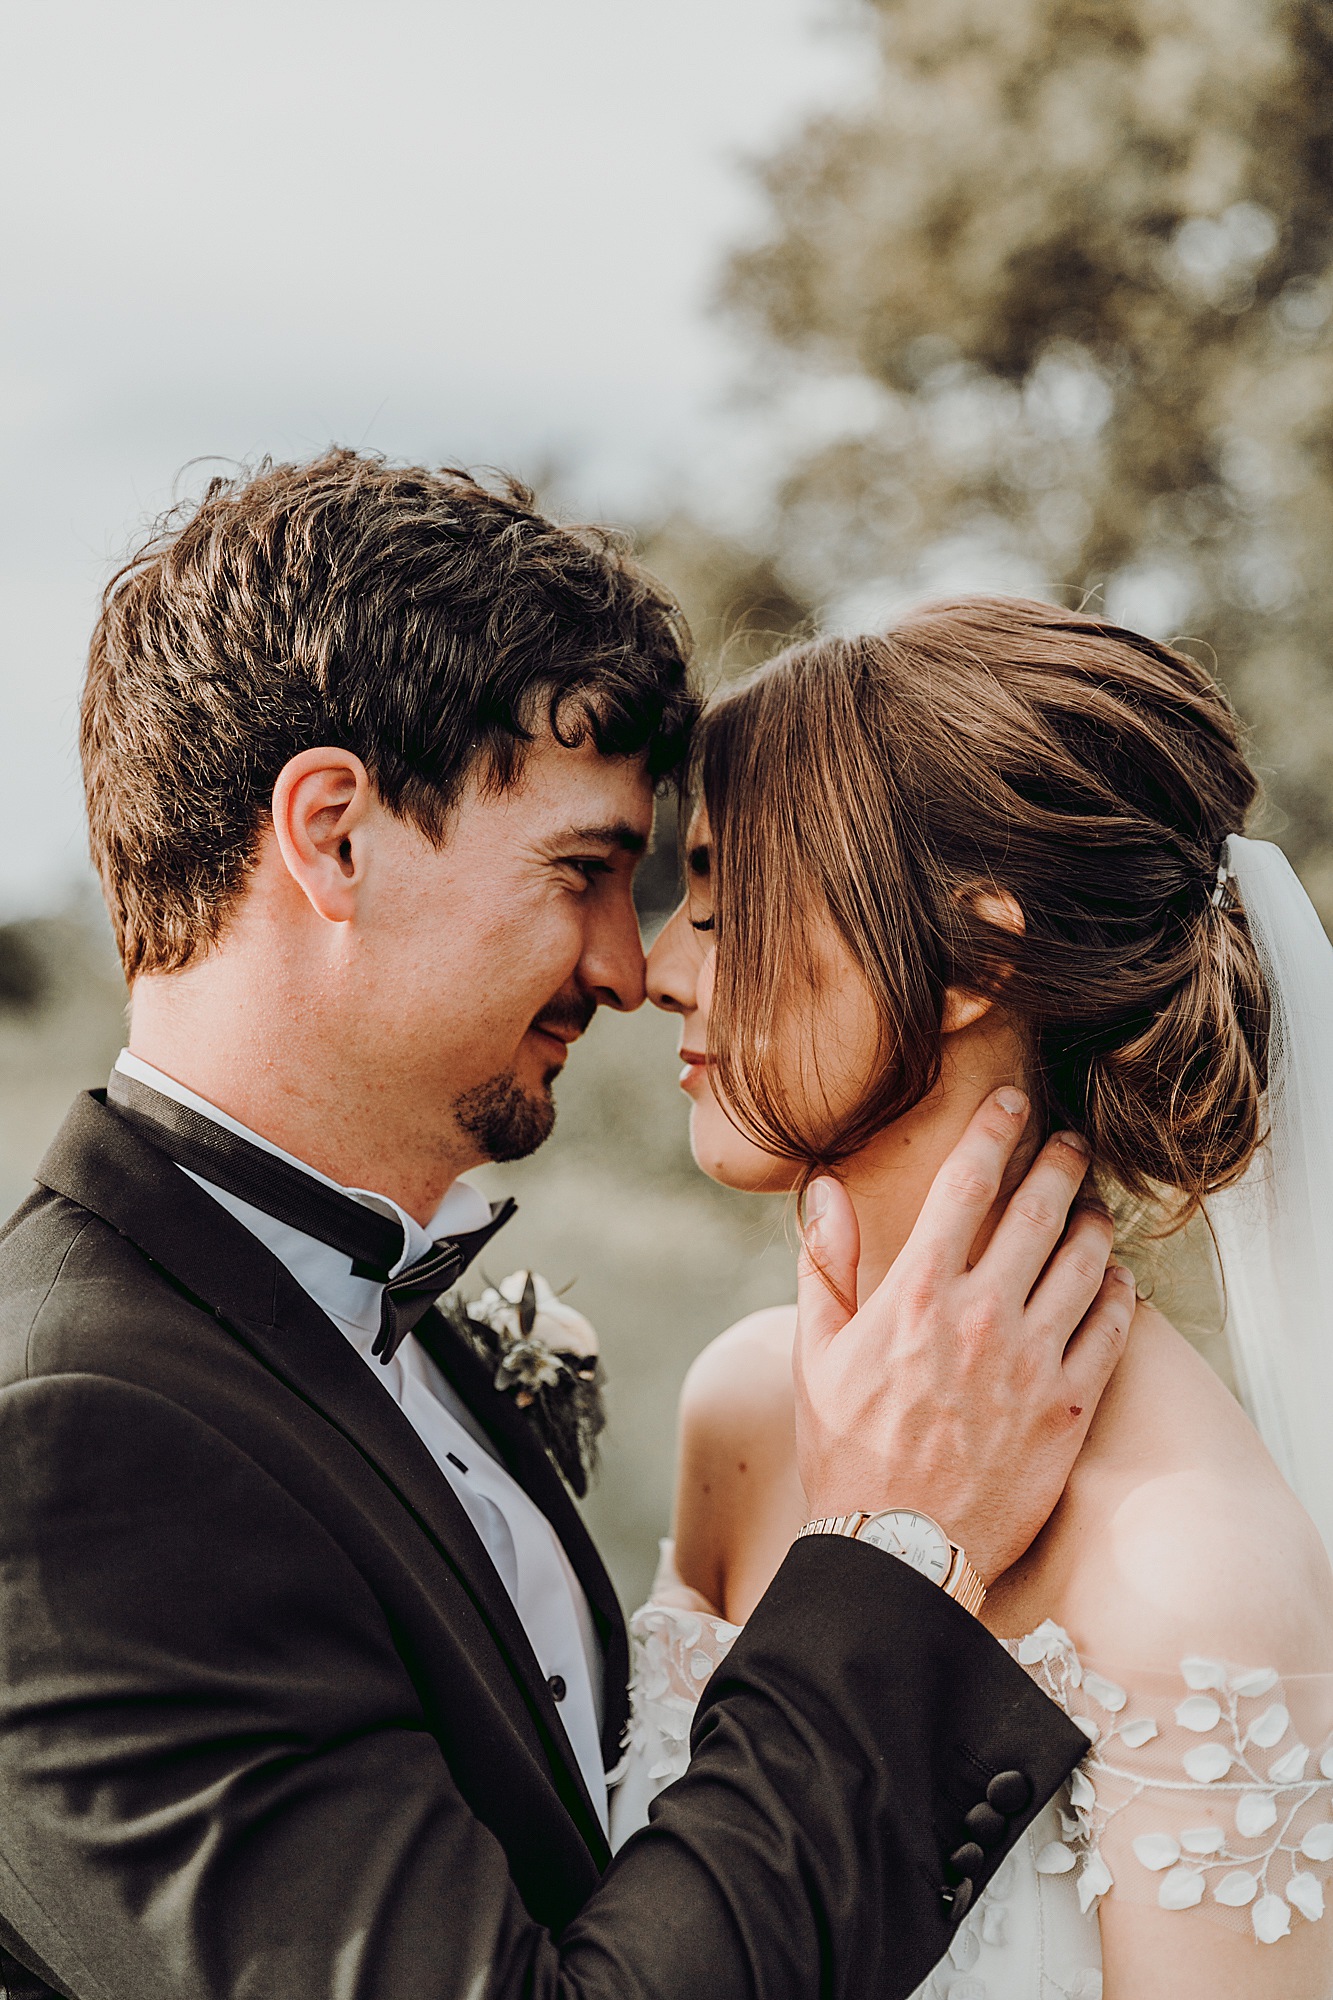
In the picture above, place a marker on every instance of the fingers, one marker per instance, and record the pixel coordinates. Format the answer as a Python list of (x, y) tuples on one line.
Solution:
[(826, 1273), (1035, 1218), (964, 1190), (1092, 1356), (1073, 1278)]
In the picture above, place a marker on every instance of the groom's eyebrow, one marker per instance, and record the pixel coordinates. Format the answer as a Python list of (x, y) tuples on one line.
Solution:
[(616, 833)]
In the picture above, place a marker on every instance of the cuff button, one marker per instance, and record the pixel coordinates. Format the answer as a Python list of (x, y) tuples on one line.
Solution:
[(967, 1860), (985, 1825), (1009, 1792), (957, 1902)]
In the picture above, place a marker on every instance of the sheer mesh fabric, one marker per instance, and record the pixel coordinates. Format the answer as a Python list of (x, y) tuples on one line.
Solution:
[(1208, 1788)]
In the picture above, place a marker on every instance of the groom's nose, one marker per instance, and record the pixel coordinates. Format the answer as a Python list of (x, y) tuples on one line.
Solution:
[(613, 969)]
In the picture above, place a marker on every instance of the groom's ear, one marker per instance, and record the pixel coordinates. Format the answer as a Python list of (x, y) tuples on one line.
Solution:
[(993, 906), (320, 805)]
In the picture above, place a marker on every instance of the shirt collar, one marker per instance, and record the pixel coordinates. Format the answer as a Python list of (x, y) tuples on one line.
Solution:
[(463, 1207)]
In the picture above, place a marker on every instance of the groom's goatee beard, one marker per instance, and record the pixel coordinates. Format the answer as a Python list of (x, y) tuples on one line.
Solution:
[(507, 1121)]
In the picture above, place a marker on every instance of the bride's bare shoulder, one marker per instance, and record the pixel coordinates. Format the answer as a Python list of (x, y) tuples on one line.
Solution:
[(1179, 1535), (736, 1403), (747, 1365), (738, 1496)]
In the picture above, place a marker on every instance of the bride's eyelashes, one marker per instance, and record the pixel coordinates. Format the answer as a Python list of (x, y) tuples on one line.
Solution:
[(702, 923)]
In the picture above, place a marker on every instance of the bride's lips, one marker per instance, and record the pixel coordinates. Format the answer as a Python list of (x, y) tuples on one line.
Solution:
[(695, 1070)]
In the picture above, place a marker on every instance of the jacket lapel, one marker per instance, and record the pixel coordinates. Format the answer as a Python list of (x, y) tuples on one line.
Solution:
[(101, 1163), (527, 1459)]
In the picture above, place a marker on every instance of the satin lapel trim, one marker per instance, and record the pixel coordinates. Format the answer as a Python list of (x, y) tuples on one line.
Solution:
[(528, 1460), (100, 1163)]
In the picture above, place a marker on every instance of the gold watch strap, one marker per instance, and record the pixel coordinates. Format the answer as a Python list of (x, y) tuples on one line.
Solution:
[(835, 1524), (962, 1583)]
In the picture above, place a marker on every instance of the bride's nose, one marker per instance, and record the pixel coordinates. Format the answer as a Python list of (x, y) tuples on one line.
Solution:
[(673, 966)]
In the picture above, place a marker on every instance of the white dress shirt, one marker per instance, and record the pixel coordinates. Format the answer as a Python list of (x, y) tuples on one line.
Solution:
[(526, 1551)]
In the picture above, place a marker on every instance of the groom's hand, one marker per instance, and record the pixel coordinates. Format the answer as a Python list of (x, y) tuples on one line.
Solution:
[(964, 1391)]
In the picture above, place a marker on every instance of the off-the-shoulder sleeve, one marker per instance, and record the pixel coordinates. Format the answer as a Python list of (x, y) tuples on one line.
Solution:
[(1207, 1790)]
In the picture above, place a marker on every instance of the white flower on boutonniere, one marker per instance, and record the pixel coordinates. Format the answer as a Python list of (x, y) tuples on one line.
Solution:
[(546, 1356)]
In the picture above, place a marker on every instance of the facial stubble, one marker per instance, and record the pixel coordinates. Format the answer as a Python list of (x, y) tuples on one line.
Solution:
[(506, 1121)]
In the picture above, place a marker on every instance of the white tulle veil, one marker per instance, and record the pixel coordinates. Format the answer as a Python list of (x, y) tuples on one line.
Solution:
[(1274, 1230)]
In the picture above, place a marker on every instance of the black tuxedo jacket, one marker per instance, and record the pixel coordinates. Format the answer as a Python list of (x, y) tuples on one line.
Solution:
[(271, 1730)]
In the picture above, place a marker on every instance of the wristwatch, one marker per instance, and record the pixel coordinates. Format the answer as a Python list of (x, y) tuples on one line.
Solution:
[(916, 1540)]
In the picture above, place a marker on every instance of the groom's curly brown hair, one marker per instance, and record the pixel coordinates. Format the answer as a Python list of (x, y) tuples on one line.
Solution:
[(429, 621)]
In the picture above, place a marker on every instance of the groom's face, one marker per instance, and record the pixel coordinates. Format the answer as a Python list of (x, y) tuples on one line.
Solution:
[(484, 959)]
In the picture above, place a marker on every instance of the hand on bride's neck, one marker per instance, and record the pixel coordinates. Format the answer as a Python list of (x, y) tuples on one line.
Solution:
[(888, 1181)]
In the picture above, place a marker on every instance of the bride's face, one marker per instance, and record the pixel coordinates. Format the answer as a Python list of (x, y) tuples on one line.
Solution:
[(823, 1049)]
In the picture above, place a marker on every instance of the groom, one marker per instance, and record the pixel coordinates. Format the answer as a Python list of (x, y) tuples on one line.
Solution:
[(309, 1673)]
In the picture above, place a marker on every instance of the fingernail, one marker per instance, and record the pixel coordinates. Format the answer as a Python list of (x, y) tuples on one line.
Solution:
[(1012, 1101), (812, 1210), (1075, 1142), (1122, 1275), (816, 1200)]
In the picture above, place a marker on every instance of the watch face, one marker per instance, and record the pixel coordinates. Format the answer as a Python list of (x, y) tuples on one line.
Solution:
[(914, 1538)]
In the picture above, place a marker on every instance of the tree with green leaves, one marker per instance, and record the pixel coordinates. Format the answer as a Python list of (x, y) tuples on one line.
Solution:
[(1055, 301)]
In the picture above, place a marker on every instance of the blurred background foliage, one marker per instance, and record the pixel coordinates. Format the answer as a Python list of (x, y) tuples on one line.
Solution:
[(1048, 308)]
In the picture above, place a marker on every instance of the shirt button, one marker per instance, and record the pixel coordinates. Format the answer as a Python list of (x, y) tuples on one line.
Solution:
[(557, 1687)]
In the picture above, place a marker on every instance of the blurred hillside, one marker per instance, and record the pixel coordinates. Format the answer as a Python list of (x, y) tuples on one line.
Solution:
[(61, 1022)]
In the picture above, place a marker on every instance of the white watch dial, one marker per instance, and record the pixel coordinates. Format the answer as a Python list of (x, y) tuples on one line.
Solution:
[(914, 1538)]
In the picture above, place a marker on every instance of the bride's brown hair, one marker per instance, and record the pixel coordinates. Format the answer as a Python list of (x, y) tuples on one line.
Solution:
[(892, 782)]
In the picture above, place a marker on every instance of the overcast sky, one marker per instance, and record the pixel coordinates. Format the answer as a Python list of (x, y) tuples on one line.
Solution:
[(473, 229)]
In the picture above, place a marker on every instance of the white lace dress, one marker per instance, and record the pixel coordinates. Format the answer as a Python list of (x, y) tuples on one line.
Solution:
[(1207, 1791)]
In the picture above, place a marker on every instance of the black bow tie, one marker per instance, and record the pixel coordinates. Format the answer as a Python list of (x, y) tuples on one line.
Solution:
[(374, 1242)]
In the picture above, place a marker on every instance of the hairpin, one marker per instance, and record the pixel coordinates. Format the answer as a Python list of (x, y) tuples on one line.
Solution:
[(1223, 877)]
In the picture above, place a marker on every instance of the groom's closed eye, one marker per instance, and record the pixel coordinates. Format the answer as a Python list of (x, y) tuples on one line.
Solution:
[(602, 847), (587, 865)]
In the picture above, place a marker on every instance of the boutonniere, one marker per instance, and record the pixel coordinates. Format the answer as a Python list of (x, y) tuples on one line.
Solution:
[(545, 1356)]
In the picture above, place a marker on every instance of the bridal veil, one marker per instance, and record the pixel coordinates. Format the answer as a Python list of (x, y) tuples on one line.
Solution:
[(1274, 1229)]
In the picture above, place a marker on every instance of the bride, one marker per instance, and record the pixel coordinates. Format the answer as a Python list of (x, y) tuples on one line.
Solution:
[(1002, 843)]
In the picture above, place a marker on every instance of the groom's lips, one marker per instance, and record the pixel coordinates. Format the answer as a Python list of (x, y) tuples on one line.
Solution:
[(562, 1029), (558, 1038)]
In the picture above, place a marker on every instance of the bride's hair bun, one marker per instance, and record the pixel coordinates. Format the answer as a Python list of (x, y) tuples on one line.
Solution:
[(1008, 798), (1178, 1103)]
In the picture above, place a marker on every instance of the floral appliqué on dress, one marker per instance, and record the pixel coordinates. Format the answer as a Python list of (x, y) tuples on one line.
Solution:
[(1213, 1788)]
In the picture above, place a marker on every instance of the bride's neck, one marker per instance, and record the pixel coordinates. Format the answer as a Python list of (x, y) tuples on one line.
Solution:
[(890, 1178)]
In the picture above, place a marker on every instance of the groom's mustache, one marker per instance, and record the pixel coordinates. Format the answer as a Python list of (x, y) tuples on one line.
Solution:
[(567, 1019)]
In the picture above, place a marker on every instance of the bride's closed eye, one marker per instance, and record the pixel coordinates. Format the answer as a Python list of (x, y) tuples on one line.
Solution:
[(698, 868)]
